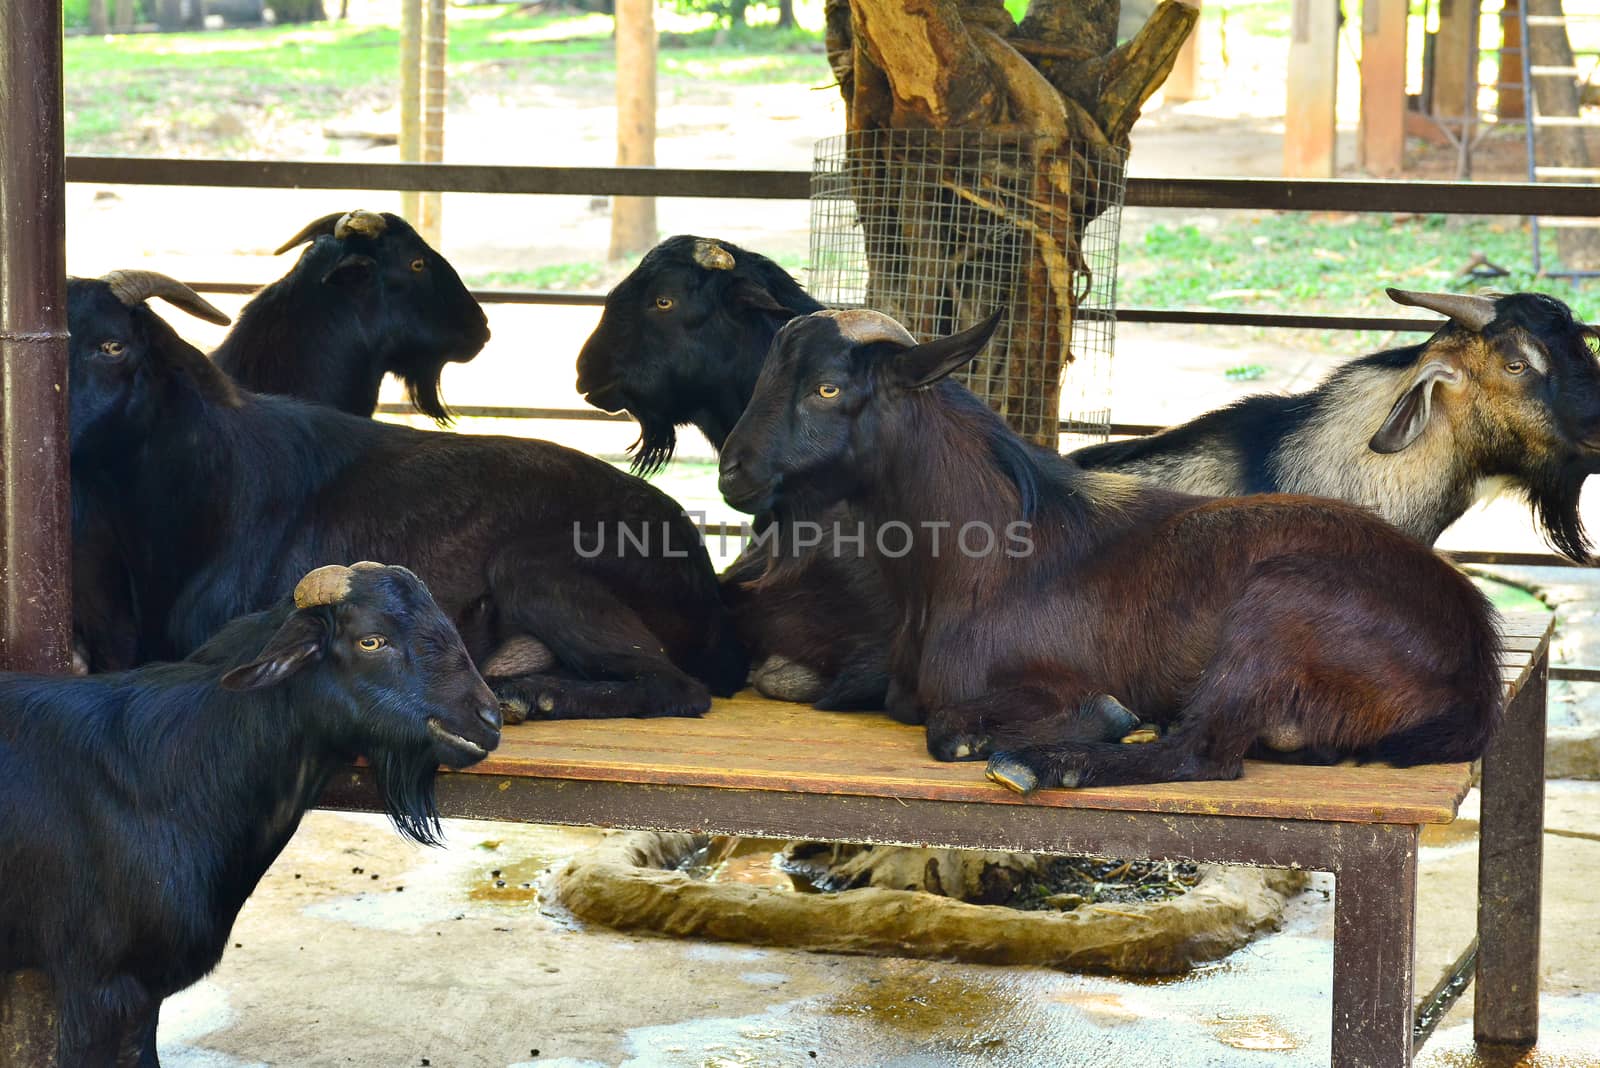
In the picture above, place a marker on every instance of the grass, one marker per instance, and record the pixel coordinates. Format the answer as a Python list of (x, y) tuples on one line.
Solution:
[(125, 93), (1317, 263)]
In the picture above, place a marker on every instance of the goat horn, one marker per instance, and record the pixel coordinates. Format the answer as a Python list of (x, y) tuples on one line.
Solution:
[(310, 232), (328, 584), (136, 287), (364, 223), (1472, 312), (864, 326), (712, 256)]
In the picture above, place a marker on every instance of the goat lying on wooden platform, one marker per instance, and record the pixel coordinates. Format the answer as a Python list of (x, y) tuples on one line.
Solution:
[(681, 342), (1506, 394), (1062, 598), (368, 297), (580, 590), (139, 809)]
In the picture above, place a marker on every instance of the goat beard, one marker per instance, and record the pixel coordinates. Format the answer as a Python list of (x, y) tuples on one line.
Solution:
[(405, 782), (656, 444), (1555, 499), (423, 392)]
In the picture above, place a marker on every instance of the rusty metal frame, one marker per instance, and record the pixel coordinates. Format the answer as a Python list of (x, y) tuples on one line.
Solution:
[(1374, 865)]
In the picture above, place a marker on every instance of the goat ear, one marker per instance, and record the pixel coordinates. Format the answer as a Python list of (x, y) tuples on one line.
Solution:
[(300, 642), (1410, 414), (923, 365), (753, 294), (352, 268)]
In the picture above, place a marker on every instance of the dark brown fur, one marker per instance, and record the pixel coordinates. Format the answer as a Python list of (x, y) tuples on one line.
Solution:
[(1225, 618)]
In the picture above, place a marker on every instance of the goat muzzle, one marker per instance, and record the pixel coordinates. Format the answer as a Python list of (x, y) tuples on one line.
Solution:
[(136, 287)]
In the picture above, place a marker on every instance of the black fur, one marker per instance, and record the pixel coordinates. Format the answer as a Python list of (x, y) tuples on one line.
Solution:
[(213, 510), (139, 809), (350, 311)]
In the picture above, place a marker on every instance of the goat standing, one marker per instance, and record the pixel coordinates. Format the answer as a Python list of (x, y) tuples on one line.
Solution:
[(138, 810), (1305, 625)]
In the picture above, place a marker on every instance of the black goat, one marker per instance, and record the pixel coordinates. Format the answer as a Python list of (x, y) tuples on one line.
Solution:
[(1061, 598), (580, 590), (681, 342), (367, 297), (138, 810), (1506, 393)]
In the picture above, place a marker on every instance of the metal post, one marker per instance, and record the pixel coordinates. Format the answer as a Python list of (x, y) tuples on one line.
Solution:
[(35, 516)]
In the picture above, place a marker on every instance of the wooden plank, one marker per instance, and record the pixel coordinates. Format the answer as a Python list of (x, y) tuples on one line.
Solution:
[(1309, 120), (1383, 87), (747, 743)]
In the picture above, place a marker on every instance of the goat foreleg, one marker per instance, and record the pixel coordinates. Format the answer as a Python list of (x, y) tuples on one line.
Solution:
[(1052, 705)]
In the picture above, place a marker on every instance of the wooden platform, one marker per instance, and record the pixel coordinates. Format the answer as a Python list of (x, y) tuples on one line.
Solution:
[(750, 743), (761, 768)]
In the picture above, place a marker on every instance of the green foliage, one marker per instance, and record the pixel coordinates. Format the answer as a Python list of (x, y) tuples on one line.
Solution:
[(75, 13), (1330, 264)]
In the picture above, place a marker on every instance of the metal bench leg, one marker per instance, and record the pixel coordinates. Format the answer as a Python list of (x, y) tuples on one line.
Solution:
[(1374, 940), (1510, 858)]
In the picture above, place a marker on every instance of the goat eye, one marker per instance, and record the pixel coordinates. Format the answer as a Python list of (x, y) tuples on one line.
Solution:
[(664, 303), (418, 264), (1516, 367), (827, 391), (114, 349), (372, 643)]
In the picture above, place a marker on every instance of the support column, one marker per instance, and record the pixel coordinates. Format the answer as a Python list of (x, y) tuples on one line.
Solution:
[(411, 100), (1374, 948), (1308, 124), (1510, 868), (633, 219), (1383, 87), (35, 513)]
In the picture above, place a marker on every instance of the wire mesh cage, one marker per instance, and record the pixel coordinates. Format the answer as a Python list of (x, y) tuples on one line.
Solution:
[(941, 228)]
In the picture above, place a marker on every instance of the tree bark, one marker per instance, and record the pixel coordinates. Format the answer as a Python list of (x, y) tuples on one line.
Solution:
[(99, 24), (633, 219), (786, 14), (124, 16), (1058, 99)]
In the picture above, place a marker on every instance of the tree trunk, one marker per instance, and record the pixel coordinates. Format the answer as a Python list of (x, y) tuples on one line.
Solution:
[(124, 16), (1563, 146), (169, 14), (1054, 100), (786, 14), (633, 219), (99, 24), (298, 10)]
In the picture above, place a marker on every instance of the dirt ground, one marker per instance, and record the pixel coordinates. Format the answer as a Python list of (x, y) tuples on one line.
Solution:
[(361, 950)]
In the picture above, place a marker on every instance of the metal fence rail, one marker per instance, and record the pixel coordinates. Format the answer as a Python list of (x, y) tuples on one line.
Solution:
[(1233, 194)]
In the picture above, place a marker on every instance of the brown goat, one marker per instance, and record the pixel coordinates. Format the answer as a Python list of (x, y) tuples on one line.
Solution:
[(1060, 599)]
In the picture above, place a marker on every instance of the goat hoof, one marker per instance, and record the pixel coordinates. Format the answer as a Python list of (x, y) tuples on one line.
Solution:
[(1142, 734), (959, 747), (675, 697), (547, 703), (1118, 720), (513, 710), (1012, 773)]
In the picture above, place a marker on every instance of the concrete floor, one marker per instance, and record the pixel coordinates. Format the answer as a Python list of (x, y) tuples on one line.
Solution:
[(359, 949)]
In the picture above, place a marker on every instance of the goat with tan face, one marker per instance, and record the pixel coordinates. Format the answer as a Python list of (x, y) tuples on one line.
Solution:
[(1506, 392)]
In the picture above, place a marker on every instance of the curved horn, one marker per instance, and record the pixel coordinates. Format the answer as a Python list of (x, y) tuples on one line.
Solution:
[(136, 287), (1472, 312), (328, 584), (712, 256), (310, 232), (864, 326), (363, 223)]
